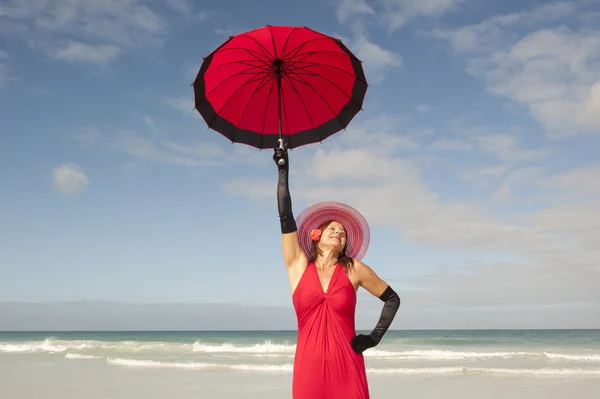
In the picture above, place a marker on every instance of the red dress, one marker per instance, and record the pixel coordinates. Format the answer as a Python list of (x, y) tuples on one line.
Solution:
[(325, 366)]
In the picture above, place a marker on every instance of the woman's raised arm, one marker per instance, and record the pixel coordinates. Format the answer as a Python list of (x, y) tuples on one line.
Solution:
[(292, 251)]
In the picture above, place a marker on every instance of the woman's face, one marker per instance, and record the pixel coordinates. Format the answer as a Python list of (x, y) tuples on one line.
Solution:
[(334, 236)]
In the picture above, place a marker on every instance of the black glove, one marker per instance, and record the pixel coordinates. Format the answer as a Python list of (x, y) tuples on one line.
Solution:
[(362, 342), (284, 201)]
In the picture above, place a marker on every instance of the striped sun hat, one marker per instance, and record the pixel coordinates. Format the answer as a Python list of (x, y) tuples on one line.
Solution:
[(356, 226)]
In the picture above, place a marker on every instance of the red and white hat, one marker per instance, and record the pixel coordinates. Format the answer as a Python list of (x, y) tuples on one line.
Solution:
[(356, 226)]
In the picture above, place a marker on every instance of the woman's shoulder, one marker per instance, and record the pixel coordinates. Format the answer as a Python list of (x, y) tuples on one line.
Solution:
[(361, 268)]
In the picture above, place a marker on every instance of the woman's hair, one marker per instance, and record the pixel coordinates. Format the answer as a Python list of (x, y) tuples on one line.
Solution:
[(346, 262)]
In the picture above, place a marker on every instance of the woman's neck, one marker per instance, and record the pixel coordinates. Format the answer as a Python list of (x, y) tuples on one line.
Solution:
[(326, 260)]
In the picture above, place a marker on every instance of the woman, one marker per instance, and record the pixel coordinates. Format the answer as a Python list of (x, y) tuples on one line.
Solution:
[(322, 256)]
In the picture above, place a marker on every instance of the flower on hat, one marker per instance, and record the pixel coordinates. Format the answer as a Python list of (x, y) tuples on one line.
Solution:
[(315, 234)]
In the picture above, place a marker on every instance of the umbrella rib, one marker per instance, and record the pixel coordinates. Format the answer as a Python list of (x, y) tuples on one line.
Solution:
[(333, 84), (299, 47), (303, 106), (231, 96), (295, 67), (273, 41), (282, 105), (318, 94), (253, 53), (266, 52), (260, 86), (287, 39), (229, 77), (265, 67), (256, 54), (265, 114), (308, 54)]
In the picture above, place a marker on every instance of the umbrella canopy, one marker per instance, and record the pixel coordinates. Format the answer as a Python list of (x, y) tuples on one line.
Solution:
[(278, 82)]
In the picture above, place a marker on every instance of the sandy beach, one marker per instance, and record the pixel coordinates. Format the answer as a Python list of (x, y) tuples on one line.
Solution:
[(40, 377)]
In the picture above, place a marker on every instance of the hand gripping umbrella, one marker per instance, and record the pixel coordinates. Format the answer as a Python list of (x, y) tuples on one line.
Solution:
[(279, 84)]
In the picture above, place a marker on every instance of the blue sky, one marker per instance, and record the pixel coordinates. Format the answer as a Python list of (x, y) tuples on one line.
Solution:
[(475, 159)]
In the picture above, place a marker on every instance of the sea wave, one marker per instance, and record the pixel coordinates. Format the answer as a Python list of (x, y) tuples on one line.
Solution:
[(80, 356), (585, 358), (288, 368), (268, 349), (447, 354), (52, 345), (199, 365), (47, 345), (489, 371)]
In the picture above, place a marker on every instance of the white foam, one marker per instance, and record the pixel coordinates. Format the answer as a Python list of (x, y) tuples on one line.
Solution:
[(80, 356), (46, 345), (52, 345), (287, 368), (199, 365), (482, 370), (266, 347), (155, 363), (445, 355), (585, 358)]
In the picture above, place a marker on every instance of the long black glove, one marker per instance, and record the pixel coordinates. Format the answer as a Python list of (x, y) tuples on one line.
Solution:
[(362, 342), (284, 200)]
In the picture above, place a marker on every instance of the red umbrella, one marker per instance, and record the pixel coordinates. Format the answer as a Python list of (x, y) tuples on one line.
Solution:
[(279, 82)]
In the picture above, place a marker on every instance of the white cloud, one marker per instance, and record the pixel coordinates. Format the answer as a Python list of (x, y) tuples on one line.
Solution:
[(451, 145), (74, 29), (376, 59), (378, 134), (160, 150), (506, 148), (577, 183), (423, 109), (188, 10), (69, 179), (394, 14), (492, 32), (196, 153), (76, 51), (398, 12), (153, 146), (182, 6), (553, 71), (349, 8), (150, 122), (184, 104)]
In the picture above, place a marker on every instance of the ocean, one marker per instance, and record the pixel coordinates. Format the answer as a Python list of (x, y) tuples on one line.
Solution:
[(258, 364)]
